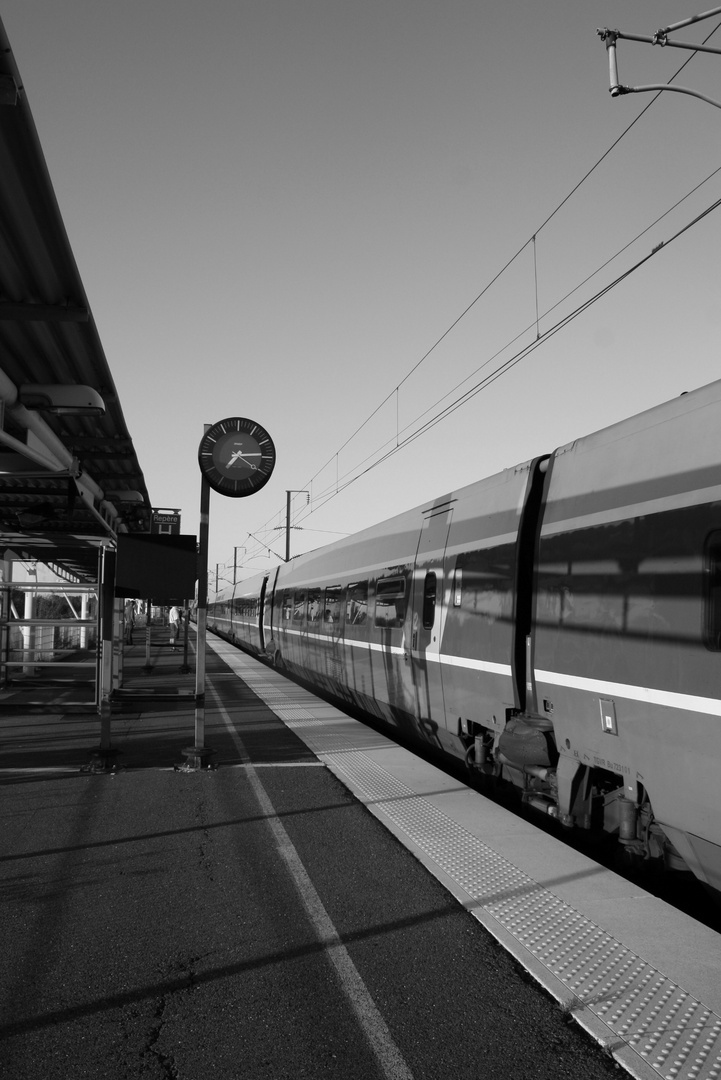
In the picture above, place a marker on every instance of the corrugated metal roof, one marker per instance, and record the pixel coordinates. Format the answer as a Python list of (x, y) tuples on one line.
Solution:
[(65, 480)]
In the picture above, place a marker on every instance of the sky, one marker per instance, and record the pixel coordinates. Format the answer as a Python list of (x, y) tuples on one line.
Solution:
[(300, 211)]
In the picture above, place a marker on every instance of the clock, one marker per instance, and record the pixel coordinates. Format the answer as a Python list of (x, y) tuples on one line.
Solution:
[(236, 456)]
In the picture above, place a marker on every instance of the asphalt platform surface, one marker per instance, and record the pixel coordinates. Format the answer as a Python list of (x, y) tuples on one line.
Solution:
[(251, 920)]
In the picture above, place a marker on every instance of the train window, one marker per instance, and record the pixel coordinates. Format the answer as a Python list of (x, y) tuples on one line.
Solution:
[(429, 601), (314, 606), (287, 606), (390, 602), (458, 586), (356, 611), (712, 593), (299, 600), (332, 599), (245, 608)]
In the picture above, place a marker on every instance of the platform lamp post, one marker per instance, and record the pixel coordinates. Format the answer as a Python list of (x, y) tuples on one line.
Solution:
[(236, 458), (288, 495)]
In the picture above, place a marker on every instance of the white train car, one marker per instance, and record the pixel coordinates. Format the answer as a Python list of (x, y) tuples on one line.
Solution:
[(558, 624)]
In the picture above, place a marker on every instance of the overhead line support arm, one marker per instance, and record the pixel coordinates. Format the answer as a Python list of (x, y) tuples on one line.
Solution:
[(610, 37)]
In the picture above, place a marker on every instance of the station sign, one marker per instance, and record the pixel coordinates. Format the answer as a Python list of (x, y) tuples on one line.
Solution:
[(165, 522)]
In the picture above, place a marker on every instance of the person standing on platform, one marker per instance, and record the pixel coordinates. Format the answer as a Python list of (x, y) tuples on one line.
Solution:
[(129, 621), (174, 620)]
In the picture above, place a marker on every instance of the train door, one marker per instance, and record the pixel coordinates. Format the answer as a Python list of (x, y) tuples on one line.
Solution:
[(261, 613), (428, 617), (268, 614)]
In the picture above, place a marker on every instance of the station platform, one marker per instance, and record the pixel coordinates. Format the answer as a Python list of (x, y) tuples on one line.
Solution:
[(318, 903)]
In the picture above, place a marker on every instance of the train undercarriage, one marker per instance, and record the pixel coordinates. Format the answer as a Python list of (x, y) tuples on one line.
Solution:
[(577, 796)]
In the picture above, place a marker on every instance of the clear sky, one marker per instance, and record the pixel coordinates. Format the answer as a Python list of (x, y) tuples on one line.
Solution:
[(278, 207)]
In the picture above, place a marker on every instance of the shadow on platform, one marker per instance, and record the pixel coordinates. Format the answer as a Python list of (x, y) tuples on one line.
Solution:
[(52, 727)]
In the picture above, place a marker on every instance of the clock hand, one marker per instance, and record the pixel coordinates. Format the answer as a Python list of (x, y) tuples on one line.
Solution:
[(237, 456)]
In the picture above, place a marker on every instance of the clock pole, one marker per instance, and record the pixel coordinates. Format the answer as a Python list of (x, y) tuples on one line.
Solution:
[(196, 756), (236, 458)]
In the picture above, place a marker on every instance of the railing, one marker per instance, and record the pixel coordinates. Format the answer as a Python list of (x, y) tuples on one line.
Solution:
[(47, 629)]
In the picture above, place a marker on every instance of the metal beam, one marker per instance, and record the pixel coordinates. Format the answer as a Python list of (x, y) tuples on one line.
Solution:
[(11, 312)]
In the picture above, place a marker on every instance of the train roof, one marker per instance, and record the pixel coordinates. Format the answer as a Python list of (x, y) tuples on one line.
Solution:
[(666, 457)]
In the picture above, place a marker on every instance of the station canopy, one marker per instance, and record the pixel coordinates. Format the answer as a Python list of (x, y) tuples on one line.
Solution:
[(70, 480)]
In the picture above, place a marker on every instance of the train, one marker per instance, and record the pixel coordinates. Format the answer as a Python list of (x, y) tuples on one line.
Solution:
[(556, 625)]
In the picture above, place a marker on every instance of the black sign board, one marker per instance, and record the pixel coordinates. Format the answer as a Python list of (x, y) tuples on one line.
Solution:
[(162, 568)]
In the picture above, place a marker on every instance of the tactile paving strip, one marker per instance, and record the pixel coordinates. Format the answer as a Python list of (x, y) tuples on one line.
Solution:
[(676, 1035)]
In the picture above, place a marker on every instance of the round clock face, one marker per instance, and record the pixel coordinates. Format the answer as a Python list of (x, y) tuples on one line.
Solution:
[(236, 456)]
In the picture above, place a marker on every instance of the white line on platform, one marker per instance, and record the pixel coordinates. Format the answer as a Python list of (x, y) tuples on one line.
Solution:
[(277, 765), (388, 1056), (40, 770)]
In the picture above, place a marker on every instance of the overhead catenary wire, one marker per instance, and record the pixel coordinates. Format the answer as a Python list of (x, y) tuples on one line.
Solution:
[(321, 498), (558, 303), (510, 262), (342, 482), (551, 332), (397, 443), (392, 447)]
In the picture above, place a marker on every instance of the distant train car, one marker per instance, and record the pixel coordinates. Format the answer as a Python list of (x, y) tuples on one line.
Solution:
[(558, 624)]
